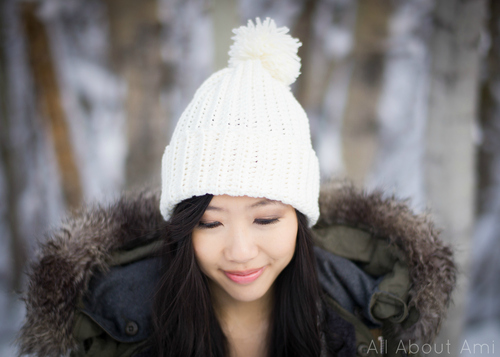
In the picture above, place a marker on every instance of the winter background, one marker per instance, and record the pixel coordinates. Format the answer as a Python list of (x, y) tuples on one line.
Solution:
[(401, 94)]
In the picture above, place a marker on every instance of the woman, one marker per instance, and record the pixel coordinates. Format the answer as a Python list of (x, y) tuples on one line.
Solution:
[(244, 268), (238, 274)]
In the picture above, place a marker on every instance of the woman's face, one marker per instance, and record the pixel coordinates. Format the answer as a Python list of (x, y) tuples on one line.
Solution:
[(243, 243)]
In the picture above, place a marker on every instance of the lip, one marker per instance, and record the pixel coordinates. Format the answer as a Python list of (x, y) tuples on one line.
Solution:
[(244, 276)]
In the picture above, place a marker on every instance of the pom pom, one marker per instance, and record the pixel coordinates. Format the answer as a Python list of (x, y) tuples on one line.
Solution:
[(273, 46)]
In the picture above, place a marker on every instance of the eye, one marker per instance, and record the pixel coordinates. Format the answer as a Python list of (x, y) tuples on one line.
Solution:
[(264, 222), (209, 224)]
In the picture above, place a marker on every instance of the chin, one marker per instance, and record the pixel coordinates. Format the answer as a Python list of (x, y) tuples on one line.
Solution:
[(247, 296)]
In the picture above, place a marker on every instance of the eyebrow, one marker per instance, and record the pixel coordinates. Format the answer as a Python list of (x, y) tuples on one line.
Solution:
[(264, 202), (260, 203)]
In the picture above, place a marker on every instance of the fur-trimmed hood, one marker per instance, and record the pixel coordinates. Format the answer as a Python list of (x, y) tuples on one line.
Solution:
[(430, 261), (83, 245), (80, 247)]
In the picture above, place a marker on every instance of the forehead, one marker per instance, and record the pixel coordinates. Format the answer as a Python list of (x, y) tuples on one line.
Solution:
[(226, 202)]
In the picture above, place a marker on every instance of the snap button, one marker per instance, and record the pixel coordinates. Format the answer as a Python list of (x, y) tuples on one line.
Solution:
[(131, 328), (363, 349)]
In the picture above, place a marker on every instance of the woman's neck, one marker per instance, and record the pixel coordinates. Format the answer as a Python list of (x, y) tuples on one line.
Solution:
[(245, 324)]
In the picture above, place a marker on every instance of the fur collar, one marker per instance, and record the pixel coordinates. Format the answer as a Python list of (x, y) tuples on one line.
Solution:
[(430, 260), (65, 263), (83, 244)]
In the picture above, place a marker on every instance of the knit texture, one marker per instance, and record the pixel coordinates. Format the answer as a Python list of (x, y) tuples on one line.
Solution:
[(244, 133)]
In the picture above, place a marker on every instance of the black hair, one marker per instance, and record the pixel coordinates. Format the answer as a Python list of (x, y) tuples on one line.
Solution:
[(184, 320)]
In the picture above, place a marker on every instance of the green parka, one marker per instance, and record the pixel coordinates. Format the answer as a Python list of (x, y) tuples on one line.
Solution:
[(383, 270)]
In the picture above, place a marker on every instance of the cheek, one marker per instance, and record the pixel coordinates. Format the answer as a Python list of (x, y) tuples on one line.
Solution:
[(208, 251), (282, 246), (205, 251)]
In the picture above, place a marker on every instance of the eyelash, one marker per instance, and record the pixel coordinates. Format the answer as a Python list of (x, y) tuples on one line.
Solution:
[(209, 225), (262, 222)]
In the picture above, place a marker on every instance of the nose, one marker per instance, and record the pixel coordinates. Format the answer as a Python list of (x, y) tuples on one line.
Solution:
[(241, 247)]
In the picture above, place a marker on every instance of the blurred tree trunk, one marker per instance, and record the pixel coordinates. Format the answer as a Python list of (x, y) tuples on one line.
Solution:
[(326, 78), (13, 253), (30, 188), (450, 151), (32, 183), (489, 151), (12, 264), (359, 131), (90, 93), (187, 53), (135, 52), (49, 98), (484, 304), (401, 110)]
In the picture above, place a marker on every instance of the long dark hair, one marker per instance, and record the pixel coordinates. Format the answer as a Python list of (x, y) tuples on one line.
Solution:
[(184, 319)]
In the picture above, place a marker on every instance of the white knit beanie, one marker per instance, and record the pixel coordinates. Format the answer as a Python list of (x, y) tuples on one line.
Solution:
[(244, 133)]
